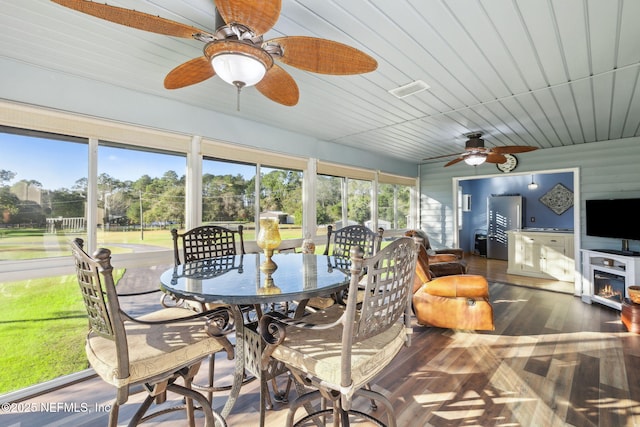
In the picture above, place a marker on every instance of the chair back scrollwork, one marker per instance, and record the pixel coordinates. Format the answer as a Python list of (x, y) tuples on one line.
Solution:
[(207, 241), (353, 236), (369, 331)]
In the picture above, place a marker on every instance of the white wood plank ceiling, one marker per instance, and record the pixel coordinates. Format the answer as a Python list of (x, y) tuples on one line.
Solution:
[(524, 72)]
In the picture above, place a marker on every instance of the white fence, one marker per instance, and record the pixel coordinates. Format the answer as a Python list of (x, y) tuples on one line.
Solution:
[(67, 224)]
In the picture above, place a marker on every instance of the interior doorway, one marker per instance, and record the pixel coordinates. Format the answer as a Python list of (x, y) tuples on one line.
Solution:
[(538, 211)]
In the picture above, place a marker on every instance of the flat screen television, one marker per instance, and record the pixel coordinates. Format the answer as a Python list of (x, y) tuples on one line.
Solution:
[(614, 218)]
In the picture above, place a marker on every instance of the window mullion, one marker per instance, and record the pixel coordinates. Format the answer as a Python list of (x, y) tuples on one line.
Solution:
[(92, 197)]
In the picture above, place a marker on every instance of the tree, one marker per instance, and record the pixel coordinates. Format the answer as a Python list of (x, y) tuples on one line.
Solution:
[(328, 199), (224, 198), (168, 206), (385, 202), (29, 212), (8, 203), (80, 186), (281, 190), (66, 204), (359, 203), (138, 195), (6, 176)]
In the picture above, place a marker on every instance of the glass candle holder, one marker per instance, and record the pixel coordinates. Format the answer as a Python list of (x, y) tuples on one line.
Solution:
[(268, 240), (308, 245), (269, 288)]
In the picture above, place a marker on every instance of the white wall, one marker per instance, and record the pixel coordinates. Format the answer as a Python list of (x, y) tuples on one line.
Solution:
[(607, 169), (40, 87)]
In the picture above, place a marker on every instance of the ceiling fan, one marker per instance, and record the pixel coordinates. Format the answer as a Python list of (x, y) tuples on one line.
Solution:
[(236, 51), (476, 153)]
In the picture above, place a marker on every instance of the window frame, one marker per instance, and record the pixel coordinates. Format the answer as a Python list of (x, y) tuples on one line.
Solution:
[(97, 130)]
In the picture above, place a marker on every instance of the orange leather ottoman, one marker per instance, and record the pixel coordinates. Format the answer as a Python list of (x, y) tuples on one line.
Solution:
[(456, 302)]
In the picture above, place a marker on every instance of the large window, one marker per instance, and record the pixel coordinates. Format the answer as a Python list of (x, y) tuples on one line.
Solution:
[(140, 196), (43, 182), (281, 196), (342, 201), (228, 194), (328, 200), (359, 202), (394, 202)]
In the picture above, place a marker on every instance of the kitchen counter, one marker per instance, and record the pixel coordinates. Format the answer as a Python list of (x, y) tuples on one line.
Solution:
[(546, 253), (547, 230)]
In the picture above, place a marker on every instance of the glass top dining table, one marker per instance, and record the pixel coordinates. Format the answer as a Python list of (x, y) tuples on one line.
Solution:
[(238, 279)]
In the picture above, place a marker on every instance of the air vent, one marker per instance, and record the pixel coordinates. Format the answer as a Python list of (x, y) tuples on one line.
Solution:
[(409, 89)]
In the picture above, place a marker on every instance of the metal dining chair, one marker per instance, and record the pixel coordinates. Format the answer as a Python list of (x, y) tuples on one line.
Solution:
[(338, 359), (353, 235), (339, 244), (152, 351), (202, 243), (207, 241), (199, 243)]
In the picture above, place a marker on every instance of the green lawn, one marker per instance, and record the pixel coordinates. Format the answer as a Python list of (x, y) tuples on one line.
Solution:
[(32, 244), (43, 324), (18, 244)]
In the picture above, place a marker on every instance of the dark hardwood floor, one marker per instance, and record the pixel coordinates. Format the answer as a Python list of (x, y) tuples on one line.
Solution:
[(496, 271), (551, 361)]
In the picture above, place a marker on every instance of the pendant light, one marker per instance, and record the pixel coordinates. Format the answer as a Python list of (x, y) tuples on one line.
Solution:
[(533, 185)]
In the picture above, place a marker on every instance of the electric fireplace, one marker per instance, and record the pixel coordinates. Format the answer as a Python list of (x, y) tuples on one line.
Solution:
[(608, 287)]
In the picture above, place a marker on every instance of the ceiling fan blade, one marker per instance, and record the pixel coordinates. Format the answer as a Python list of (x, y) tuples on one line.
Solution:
[(279, 86), (495, 158), (512, 149), (323, 56), (260, 16), (442, 157), (191, 72), (454, 161), (132, 18)]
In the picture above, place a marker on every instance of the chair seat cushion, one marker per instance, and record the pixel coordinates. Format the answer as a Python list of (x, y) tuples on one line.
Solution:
[(463, 285), (318, 352), (321, 302), (153, 349)]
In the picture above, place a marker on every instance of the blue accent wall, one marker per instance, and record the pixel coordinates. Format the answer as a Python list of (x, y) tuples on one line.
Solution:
[(535, 213)]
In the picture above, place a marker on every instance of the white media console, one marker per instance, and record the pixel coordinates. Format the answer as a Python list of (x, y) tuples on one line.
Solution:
[(606, 275)]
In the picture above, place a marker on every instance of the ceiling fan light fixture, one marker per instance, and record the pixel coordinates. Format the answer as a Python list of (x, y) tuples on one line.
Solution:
[(238, 69), (475, 159), (238, 63)]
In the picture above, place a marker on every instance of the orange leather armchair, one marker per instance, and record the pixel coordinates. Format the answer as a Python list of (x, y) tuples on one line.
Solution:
[(455, 302), (442, 262)]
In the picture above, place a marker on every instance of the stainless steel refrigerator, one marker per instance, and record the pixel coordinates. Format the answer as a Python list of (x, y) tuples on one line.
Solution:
[(504, 213)]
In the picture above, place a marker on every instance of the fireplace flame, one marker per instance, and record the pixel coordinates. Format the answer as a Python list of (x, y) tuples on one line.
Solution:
[(607, 291)]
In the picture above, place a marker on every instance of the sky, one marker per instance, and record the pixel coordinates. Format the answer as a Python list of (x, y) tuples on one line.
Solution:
[(59, 164)]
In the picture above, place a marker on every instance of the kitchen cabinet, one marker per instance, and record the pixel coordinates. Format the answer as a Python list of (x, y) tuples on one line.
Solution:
[(547, 255)]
